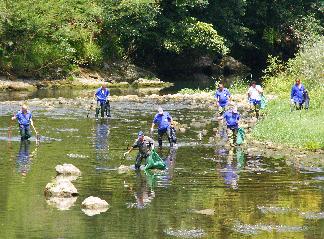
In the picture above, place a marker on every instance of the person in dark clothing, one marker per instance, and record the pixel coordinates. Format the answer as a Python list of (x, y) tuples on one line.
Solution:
[(145, 146), (297, 95)]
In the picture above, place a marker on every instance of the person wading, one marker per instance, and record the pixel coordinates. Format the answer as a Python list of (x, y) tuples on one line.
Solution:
[(163, 120), (145, 146), (231, 118), (254, 94), (223, 97), (103, 105), (24, 118)]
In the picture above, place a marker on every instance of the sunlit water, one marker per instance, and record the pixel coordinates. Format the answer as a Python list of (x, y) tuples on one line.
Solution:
[(208, 191)]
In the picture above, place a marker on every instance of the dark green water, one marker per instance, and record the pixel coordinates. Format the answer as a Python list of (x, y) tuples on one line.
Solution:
[(252, 197)]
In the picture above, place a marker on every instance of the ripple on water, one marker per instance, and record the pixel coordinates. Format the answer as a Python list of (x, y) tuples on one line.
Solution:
[(258, 228), (312, 215), (185, 233), (275, 210)]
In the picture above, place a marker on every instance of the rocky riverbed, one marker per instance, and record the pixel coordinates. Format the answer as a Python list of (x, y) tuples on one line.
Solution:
[(295, 156)]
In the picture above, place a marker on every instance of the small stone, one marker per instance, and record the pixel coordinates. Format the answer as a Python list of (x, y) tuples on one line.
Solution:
[(67, 169)]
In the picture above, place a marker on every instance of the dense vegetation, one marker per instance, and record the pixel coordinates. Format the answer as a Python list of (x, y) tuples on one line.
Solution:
[(303, 128), (51, 38)]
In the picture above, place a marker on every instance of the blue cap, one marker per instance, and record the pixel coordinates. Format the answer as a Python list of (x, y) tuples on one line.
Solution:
[(140, 134)]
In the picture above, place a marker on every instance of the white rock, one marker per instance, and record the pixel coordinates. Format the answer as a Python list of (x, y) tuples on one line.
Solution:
[(94, 203), (67, 169), (60, 188)]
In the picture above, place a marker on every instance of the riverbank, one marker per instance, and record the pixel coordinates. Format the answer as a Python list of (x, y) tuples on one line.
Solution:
[(254, 146), (129, 76)]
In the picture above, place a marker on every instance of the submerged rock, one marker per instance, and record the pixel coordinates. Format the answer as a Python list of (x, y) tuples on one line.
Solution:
[(60, 188), (94, 203), (61, 203), (67, 169), (209, 212), (123, 169)]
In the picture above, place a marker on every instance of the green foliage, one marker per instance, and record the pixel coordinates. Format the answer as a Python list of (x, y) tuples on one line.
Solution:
[(191, 33), (297, 128), (307, 65), (42, 38)]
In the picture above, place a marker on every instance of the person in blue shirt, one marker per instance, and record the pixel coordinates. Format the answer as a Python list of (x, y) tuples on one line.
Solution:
[(163, 121), (231, 118), (101, 96), (297, 95), (223, 97), (24, 118)]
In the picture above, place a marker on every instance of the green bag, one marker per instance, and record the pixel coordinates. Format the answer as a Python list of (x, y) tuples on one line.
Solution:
[(154, 161), (240, 136), (263, 102)]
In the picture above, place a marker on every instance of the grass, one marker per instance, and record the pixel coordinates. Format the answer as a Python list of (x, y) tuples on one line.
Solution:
[(302, 129)]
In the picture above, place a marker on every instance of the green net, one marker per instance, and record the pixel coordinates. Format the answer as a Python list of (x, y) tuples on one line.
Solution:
[(154, 161), (240, 136)]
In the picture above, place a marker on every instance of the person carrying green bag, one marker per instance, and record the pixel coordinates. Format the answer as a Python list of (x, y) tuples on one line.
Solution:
[(145, 147)]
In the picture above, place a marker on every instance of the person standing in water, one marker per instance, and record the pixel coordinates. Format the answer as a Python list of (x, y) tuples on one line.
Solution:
[(223, 97), (163, 120), (24, 118), (145, 146), (103, 104), (232, 117)]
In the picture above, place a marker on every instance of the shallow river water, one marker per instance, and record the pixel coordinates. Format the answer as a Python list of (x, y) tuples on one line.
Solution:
[(208, 190)]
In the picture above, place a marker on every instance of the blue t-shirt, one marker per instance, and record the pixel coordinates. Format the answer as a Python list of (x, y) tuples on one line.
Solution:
[(163, 121), (24, 119), (222, 96), (231, 118), (297, 94), (102, 94)]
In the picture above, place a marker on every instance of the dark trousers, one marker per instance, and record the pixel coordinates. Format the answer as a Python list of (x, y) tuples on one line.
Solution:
[(103, 106), (25, 132), (161, 133), (233, 130), (139, 158)]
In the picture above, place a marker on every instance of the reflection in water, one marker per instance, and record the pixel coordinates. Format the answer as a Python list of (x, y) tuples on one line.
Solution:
[(144, 193), (24, 157), (232, 169), (101, 139)]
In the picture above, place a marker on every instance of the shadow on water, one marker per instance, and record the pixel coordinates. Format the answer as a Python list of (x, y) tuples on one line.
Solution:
[(101, 139)]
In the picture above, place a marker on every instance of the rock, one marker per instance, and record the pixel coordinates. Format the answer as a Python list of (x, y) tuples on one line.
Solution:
[(60, 188), (67, 169), (182, 130), (123, 169), (209, 212), (94, 205), (61, 203)]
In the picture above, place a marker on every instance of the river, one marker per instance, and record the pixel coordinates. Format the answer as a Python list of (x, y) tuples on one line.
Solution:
[(208, 191)]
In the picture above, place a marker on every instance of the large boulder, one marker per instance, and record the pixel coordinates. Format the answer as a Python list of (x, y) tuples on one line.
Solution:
[(60, 188), (67, 169)]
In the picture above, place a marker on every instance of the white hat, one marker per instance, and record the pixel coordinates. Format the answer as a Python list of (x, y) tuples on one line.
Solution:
[(160, 110)]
